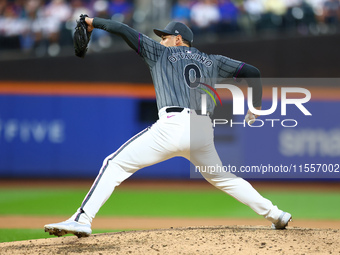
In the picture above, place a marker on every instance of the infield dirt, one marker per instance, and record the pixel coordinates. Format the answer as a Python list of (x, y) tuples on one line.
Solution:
[(189, 240)]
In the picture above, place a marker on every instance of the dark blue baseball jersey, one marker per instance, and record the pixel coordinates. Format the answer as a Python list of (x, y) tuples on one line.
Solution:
[(180, 74)]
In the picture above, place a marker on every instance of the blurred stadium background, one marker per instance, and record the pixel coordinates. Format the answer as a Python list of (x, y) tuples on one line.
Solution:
[(44, 28), (60, 115)]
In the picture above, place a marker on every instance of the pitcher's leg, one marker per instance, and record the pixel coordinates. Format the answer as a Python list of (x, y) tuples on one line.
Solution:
[(109, 177), (140, 151), (146, 148), (233, 185), (242, 190)]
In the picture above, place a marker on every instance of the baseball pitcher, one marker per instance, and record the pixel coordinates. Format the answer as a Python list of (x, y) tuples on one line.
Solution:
[(178, 70)]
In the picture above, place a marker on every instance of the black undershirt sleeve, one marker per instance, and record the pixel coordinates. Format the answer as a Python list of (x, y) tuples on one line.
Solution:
[(252, 76)]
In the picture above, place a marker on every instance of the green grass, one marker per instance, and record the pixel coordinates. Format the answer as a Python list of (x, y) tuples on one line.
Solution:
[(9, 235), (53, 202), (178, 203)]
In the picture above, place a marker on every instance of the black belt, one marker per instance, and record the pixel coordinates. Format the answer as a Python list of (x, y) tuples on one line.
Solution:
[(180, 109), (174, 109)]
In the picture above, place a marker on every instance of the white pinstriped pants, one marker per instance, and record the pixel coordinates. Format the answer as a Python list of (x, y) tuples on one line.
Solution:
[(183, 134)]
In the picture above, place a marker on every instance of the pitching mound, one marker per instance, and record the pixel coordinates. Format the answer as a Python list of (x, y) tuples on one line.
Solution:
[(191, 240)]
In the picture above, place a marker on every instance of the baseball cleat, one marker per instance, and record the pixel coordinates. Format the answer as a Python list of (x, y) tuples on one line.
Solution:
[(283, 221), (69, 227)]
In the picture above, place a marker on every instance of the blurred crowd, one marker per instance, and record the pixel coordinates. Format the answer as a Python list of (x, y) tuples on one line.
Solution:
[(251, 16), (45, 26)]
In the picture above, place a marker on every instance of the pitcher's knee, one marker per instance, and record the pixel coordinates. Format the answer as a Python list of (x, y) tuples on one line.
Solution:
[(114, 163)]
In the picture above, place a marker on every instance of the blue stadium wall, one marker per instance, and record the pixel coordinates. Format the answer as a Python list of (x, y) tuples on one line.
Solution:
[(68, 136)]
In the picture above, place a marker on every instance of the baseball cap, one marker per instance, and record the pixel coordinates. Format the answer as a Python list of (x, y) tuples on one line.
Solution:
[(176, 28)]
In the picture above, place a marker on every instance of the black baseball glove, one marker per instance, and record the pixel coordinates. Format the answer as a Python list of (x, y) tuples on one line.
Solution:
[(81, 37)]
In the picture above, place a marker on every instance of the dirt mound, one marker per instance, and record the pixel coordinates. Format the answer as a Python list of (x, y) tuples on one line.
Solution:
[(190, 240)]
